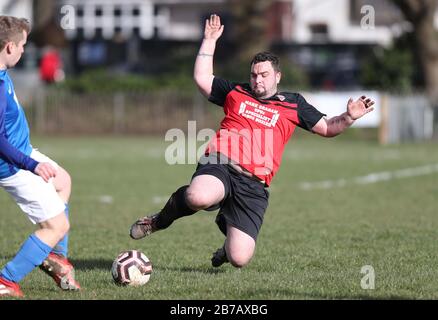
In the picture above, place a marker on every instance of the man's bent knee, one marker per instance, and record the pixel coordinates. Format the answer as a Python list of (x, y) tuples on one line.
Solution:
[(58, 224), (53, 230), (62, 228), (239, 260), (204, 191), (240, 247), (199, 200)]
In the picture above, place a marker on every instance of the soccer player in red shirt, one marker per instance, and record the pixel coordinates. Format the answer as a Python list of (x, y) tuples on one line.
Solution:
[(241, 160)]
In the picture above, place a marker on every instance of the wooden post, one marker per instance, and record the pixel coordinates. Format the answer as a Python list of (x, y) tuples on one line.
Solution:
[(384, 125)]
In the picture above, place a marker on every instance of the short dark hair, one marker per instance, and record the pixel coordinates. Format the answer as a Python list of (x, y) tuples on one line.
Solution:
[(11, 29), (267, 56)]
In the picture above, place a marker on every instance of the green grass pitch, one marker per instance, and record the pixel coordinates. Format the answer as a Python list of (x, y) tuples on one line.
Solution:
[(312, 245)]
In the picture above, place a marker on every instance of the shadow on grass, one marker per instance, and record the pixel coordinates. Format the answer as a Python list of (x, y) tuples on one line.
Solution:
[(105, 264), (92, 264), (200, 269), (291, 294)]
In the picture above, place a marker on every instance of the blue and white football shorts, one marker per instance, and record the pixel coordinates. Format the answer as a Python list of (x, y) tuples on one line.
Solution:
[(37, 198)]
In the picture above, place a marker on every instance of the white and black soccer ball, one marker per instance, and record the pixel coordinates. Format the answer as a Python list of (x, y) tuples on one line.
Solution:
[(131, 268)]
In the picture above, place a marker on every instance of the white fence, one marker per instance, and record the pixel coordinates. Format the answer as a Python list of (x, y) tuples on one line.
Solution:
[(55, 111), (406, 118), (335, 103), (399, 118)]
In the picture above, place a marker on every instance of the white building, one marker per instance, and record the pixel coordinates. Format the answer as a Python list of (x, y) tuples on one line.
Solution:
[(345, 21), (18, 8), (167, 19), (299, 21)]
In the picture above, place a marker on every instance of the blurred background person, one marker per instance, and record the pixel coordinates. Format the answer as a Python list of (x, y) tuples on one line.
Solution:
[(51, 66)]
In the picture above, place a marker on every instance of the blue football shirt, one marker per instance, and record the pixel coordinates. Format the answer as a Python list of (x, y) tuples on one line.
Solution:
[(15, 147)]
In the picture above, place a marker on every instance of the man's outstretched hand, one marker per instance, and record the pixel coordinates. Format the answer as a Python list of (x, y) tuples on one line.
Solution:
[(213, 28), (359, 108)]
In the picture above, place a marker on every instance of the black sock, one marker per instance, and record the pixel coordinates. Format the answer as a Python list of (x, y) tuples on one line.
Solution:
[(175, 208)]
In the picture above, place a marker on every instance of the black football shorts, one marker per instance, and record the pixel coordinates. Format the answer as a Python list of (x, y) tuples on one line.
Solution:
[(245, 200)]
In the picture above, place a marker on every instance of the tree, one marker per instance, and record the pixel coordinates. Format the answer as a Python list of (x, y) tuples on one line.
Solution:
[(420, 13), (249, 26), (46, 29), (398, 68), (248, 34)]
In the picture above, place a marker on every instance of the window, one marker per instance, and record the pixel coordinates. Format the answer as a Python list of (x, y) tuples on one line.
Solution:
[(98, 12), (136, 12), (319, 32)]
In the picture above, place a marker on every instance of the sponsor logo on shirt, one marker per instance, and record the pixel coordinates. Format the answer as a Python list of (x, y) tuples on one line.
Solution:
[(259, 113)]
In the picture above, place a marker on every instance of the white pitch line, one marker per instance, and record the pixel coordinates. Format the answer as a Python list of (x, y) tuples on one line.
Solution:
[(106, 199), (372, 178)]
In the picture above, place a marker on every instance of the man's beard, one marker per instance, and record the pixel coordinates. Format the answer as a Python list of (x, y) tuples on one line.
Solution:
[(259, 93)]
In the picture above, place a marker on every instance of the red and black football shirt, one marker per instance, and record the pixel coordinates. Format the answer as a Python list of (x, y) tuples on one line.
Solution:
[(254, 131)]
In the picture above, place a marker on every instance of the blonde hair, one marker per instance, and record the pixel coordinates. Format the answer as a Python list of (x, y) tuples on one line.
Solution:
[(11, 29)]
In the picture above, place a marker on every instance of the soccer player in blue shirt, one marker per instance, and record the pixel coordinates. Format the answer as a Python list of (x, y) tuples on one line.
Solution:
[(39, 186)]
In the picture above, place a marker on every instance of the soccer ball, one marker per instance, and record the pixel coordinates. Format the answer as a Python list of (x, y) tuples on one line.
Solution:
[(131, 268)]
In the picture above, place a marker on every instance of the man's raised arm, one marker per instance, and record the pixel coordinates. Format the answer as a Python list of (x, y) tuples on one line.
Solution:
[(203, 71)]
